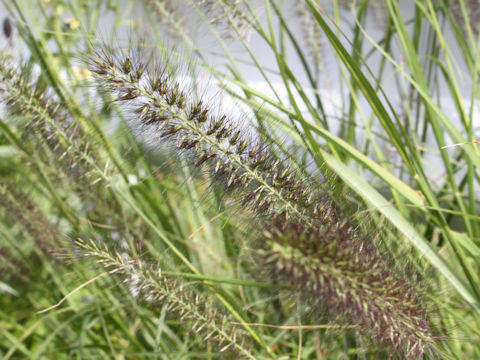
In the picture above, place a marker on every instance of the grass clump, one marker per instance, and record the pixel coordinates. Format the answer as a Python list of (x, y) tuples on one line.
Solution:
[(353, 215)]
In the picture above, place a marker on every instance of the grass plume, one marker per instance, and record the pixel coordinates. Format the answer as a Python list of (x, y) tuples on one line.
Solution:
[(181, 301), (20, 209), (344, 275), (48, 122), (167, 113)]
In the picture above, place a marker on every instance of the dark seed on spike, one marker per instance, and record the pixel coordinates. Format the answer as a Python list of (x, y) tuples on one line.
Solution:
[(252, 152), (203, 116), (156, 118), (261, 203), (281, 185), (143, 110), (260, 161), (231, 180), (127, 66), (248, 199), (183, 141), (242, 147), (109, 60), (296, 185), (266, 207), (185, 144), (173, 96), (162, 125), (191, 144), (171, 99), (162, 89), (221, 170), (234, 138), (274, 166), (245, 181), (140, 71), (220, 122), (117, 83), (210, 131), (195, 111), (172, 130), (274, 177), (284, 183), (129, 95), (228, 132), (155, 82), (221, 133), (100, 71), (147, 118), (204, 158), (257, 197), (99, 63), (268, 165), (181, 100), (283, 174)]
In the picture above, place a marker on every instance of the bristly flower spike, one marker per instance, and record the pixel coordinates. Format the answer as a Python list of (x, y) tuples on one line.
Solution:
[(179, 299), (342, 273), (159, 103)]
